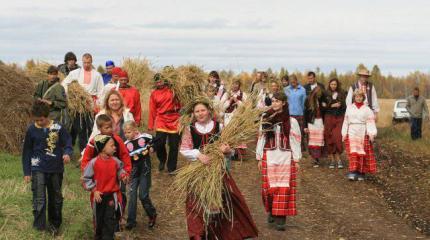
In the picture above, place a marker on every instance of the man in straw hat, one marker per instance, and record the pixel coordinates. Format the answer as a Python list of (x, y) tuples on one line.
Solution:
[(164, 117), (363, 84)]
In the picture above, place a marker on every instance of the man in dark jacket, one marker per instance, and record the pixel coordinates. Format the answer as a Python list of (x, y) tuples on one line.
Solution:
[(312, 83), (52, 94), (69, 64)]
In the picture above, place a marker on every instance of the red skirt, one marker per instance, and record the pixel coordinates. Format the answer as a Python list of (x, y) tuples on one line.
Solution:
[(333, 133), (221, 227), (362, 163), (280, 201)]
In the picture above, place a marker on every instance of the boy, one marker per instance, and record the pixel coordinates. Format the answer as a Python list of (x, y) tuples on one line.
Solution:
[(139, 146), (101, 177), (47, 146)]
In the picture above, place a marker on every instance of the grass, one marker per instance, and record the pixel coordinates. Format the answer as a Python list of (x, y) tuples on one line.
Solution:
[(16, 206)]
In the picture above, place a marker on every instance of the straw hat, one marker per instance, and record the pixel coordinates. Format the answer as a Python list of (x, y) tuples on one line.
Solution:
[(363, 72)]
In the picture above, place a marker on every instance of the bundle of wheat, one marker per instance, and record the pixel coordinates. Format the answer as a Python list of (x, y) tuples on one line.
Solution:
[(16, 91), (79, 101), (36, 70), (205, 182)]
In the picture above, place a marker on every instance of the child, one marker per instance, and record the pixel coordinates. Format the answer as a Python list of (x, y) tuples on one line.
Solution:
[(101, 177), (358, 133), (139, 146), (47, 146)]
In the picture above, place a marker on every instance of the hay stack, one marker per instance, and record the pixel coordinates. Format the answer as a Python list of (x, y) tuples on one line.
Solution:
[(205, 182), (79, 101), (16, 91), (36, 70)]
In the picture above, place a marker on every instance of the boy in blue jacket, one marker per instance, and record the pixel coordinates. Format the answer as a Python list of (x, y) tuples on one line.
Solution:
[(47, 146)]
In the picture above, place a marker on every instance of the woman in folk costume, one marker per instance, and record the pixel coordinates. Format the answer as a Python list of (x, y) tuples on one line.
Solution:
[(334, 111), (202, 131), (278, 152), (358, 132), (218, 104), (214, 80), (314, 125), (235, 98)]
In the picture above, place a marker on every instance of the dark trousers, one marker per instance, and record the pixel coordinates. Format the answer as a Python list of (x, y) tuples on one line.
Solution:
[(106, 219), (140, 183), (40, 184), (81, 129), (173, 140), (416, 126)]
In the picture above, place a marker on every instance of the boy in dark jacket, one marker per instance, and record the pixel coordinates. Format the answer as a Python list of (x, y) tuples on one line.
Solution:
[(47, 146)]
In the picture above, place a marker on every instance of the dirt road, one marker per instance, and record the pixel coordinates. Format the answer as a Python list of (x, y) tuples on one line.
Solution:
[(330, 207)]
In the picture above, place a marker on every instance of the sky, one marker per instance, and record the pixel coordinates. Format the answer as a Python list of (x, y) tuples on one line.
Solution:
[(237, 34)]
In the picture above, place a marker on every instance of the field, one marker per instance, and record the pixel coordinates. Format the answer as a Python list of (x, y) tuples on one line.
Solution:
[(330, 207)]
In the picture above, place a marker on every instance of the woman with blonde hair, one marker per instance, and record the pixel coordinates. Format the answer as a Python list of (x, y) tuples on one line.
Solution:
[(358, 132)]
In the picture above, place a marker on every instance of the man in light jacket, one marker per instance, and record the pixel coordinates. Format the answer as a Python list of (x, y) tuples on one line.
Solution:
[(417, 108)]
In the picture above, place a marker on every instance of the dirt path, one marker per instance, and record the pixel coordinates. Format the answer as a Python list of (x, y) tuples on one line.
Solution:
[(330, 207)]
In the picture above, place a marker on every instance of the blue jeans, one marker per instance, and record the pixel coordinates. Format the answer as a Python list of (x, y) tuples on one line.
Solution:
[(140, 183), (40, 184), (416, 126)]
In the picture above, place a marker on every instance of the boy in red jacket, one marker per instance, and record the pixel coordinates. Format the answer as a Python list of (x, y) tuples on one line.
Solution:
[(101, 176)]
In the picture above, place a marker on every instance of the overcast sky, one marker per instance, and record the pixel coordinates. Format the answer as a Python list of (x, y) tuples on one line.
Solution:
[(223, 34)]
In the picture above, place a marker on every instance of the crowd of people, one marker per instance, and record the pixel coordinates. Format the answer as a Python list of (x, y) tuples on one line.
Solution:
[(115, 153)]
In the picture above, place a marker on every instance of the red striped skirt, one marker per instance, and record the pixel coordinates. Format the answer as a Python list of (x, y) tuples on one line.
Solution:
[(333, 133), (363, 163), (280, 201)]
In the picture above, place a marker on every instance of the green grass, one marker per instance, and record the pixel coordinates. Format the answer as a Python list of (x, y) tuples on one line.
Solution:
[(16, 207)]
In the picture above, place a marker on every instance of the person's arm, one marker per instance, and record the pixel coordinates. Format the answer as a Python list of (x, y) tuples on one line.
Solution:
[(425, 109), (138, 108), (295, 140), (99, 85), (95, 130), (152, 112), (66, 142), (27, 152), (88, 154), (186, 148), (38, 92), (371, 129), (60, 100), (123, 155), (375, 103), (408, 105), (345, 124), (348, 100), (88, 182)]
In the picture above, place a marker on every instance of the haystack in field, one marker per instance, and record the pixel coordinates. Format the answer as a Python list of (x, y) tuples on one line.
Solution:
[(36, 70), (16, 91)]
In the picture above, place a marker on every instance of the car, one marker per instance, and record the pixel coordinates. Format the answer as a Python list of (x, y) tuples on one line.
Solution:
[(400, 113)]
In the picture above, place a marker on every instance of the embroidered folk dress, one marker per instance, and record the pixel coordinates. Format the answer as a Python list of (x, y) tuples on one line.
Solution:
[(279, 170), (358, 125)]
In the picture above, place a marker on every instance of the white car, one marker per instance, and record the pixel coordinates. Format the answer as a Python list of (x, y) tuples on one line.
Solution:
[(399, 112)]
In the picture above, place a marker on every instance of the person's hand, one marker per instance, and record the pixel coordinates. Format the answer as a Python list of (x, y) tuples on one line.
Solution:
[(98, 196), (376, 117), (371, 138), (306, 130), (324, 104), (66, 159), (151, 150), (225, 148), (125, 179), (204, 159), (259, 165), (343, 138), (27, 179), (335, 105)]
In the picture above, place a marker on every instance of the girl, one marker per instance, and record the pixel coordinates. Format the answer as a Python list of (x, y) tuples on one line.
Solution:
[(204, 130), (278, 152), (234, 100), (358, 132), (334, 112), (314, 124)]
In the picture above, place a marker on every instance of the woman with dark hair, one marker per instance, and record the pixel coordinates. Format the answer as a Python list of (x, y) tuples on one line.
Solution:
[(202, 131), (314, 125), (214, 80), (334, 111), (278, 153)]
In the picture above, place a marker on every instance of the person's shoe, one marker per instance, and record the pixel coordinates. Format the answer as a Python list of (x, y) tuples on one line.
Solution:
[(331, 166), (316, 163), (360, 177), (352, 176), (152, 220), (340, 165), (172, 173), (280, 227), (53, 230), (270, 218), (130, 226), (161, 167)]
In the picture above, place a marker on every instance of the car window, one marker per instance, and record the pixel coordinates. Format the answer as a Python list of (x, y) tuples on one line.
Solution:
[(401, 105)]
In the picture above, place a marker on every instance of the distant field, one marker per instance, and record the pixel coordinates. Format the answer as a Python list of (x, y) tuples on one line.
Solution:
[(385, 115)]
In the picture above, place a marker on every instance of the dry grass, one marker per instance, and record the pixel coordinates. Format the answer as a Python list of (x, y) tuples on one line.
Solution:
[(385, 115), (78, 99)]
